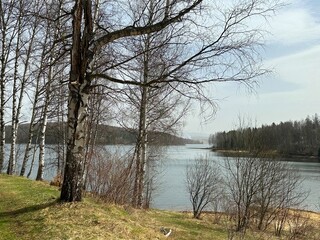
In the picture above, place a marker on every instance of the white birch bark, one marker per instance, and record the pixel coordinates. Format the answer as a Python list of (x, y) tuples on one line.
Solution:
[(4, 58), (14, 119), (44, 122), (42, 142), (19, 90), (36, 99), (8, 34), (35, 147)]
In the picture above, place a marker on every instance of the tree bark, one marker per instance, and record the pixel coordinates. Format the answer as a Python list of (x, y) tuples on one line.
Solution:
[(42, 144), (14, 117), (44, 126), (140, 155), (79, 87), (2, 100), (35, 147), (7, 36), (36, 96)]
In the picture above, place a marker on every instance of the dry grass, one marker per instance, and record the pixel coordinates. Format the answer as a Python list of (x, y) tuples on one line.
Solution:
[(30, 210)]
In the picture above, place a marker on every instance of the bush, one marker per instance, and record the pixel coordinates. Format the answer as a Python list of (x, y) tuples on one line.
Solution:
[(203, 184)]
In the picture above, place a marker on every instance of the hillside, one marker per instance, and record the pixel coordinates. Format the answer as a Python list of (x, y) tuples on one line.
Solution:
[(106, 135), (30, 210)]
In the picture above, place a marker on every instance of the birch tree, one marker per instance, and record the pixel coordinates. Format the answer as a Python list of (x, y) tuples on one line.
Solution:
[(15, 90), (226, 51), (49, 78), (35, 109), (48, 67), (9, 28), (150, 109), (84, 46)]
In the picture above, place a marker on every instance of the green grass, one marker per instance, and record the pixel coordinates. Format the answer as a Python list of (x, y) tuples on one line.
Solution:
[(30, 210), (20, 201)]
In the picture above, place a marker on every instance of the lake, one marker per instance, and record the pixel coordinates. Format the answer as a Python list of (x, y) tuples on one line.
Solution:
[(171, 191)]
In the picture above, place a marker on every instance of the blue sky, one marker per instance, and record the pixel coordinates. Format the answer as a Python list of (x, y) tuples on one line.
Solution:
[(291, 91)]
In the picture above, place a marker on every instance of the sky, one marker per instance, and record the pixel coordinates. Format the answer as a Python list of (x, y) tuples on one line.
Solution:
[(290, 92)]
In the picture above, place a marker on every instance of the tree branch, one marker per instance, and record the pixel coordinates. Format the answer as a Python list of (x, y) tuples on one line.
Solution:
[(135, 31)]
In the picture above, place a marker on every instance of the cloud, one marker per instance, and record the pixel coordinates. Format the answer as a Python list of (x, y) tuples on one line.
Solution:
[(300, 68), (276, 84), (292, 91), (293, 25)]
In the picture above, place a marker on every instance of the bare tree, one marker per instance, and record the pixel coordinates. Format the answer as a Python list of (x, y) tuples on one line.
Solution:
[(150, 108), (9, 29), (290, 195), (83, 48), (261, 190), (43, 70), (99, 113), (242, 176), (230, 38), (108, 178), (279, 188), (15, 88), (41, 39), (203, 184)]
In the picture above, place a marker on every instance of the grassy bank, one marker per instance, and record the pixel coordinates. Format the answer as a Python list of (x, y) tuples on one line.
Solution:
[(30, 210)]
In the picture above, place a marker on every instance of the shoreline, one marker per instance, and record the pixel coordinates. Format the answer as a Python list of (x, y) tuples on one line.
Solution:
[(269, 154)]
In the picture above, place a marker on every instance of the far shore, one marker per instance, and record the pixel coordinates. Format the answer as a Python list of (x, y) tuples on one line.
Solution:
[(269, 154)]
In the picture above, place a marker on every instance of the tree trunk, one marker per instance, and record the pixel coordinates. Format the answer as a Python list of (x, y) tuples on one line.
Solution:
[(14, 117), (143, 146), (142, 134), (35, 146), (23, 84), (79, 87), (15, 104), (92, 127), (73, 175), (140, 152), (42, 143), (44, 126), (2, 105), (5, 52), (28, 147), (61, 137)]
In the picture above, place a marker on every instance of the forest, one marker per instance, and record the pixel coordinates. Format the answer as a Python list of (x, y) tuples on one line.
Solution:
[(300, 138), (107, 135)]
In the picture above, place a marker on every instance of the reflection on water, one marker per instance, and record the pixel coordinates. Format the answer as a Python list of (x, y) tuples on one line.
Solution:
[(311, 174), (173, 194), (307, 168)]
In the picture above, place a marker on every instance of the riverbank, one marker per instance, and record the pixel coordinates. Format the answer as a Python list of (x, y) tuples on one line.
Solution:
[(30, 210), (268, 154)]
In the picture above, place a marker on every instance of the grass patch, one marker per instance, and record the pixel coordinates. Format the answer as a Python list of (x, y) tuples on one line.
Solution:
[(30, 210)]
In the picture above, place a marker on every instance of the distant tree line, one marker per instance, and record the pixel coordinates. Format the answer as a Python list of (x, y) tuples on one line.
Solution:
[(286, 138), (106, 135)]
